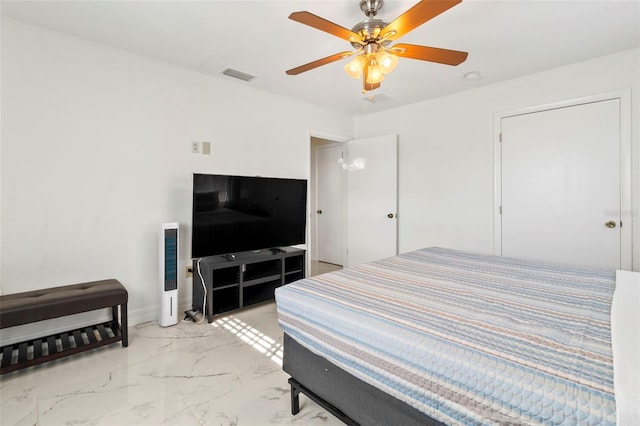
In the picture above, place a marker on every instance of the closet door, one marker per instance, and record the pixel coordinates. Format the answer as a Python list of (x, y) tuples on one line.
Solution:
[(561, 185)]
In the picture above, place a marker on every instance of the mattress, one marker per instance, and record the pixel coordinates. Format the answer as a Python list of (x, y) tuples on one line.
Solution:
[(466, 338)]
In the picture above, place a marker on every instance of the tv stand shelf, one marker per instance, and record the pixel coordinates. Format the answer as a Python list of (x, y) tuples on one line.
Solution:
[(247, 278)]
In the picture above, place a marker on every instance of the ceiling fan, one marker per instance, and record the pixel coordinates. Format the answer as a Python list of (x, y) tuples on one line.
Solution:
[(372, 37)]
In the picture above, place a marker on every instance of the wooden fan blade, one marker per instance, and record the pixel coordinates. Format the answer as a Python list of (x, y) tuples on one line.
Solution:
[(319, 62), (416, 16), (431, 54), (322, 24)]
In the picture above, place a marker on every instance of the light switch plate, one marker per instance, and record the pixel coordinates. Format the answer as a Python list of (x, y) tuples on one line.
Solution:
[(206, 148)]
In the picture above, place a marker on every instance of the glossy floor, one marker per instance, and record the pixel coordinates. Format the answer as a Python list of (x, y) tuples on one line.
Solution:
[(318, 268), (225, 373)]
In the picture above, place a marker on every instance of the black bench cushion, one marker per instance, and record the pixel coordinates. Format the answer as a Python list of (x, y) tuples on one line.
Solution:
[(37, 305)]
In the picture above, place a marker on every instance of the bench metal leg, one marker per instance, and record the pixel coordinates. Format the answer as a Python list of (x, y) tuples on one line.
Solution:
[(122, 322), (123, 325)]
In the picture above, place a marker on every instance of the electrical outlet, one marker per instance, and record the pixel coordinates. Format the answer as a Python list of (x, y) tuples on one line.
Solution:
[(188, 273), (195, 147)]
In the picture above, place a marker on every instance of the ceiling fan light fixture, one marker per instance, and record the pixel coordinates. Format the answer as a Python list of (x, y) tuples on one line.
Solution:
[(371, 39), (374, 73), (355, 67), (388, 61)]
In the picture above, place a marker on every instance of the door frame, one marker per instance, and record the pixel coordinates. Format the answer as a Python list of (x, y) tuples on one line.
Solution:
[(626, 233)]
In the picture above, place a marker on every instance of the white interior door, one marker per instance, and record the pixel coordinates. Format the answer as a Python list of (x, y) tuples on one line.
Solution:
[(372, 178), (329, 211), (561, 185)]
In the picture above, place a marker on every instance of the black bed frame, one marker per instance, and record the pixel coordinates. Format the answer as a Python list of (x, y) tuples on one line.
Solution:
[(343, 395)]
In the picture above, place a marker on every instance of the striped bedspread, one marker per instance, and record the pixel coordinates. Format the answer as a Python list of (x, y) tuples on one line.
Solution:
[(465, 338)]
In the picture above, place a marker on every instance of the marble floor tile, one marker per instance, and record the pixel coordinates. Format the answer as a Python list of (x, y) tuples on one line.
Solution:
[(225, 373)]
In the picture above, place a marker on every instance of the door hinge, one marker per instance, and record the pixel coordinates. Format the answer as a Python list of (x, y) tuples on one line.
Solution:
[(500, 209), (500, 137)]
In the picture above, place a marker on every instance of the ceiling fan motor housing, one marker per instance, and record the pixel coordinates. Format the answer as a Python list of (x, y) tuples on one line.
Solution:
[(371, 7), (369, 31)]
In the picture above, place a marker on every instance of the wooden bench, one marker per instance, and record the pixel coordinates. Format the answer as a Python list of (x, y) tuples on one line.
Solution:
[(31, 306)]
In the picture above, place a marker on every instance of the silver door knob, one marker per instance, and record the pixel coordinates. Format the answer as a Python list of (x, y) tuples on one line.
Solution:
[(610, 224), (319, 211), (390, 215)]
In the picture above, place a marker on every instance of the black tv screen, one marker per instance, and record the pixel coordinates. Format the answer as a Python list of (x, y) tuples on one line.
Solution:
[(233, 214)]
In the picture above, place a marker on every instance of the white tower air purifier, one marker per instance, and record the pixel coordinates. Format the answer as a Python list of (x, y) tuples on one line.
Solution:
[(169, 274)]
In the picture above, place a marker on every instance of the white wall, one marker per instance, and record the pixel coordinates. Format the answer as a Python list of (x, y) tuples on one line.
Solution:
[(96, 153), (446, 149)]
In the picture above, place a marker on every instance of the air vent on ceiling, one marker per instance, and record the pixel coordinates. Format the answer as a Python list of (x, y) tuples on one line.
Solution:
[(238, 74)]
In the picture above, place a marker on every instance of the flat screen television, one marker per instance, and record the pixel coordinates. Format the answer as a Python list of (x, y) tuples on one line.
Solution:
[(233, 214)]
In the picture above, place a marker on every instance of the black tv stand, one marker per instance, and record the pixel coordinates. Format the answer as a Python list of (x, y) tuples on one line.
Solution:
[(238, 280)]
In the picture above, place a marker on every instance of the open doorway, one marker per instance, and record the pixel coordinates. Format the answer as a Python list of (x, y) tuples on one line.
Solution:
[(327, 205), (352, 208)]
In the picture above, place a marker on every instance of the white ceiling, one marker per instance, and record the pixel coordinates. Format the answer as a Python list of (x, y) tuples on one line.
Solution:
[(505, 39)]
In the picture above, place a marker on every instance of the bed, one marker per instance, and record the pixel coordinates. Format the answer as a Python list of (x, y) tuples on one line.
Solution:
[(439, 336)]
